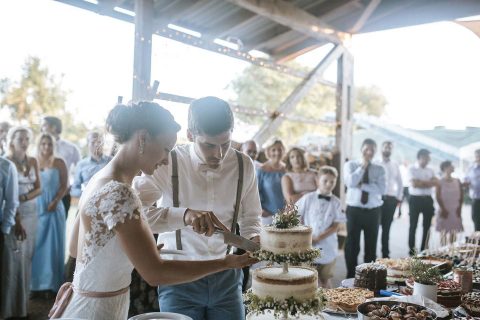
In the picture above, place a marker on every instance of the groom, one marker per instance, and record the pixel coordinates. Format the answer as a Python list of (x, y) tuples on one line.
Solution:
[(206, 175)]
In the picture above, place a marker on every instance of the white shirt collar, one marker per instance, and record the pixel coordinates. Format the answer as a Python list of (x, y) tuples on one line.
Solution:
[(199, 164)]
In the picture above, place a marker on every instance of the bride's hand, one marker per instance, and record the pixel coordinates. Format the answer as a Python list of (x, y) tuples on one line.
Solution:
[(203, 222), (234, 261)]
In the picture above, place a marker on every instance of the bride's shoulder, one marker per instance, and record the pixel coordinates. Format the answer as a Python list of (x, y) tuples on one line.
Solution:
[(112, 194)]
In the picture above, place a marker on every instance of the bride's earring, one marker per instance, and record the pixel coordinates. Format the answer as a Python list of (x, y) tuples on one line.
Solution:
[(142, 145)]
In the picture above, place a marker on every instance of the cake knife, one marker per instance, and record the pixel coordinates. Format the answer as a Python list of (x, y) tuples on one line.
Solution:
[(238, 241)]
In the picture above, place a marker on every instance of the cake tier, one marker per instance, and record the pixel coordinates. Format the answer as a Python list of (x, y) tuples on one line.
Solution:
[(299, 283), (296, 239)]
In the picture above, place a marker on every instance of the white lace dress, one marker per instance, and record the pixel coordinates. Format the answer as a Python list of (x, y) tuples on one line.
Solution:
[(103, 265)]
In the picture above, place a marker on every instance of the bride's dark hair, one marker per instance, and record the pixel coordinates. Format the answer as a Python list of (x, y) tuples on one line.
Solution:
[(123, 120)]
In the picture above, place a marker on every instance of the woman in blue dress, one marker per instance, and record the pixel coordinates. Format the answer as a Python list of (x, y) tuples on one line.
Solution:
[(269, 177), (49, 254)]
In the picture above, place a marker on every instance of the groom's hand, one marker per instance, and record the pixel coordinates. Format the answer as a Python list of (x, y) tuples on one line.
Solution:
[(203, 222)]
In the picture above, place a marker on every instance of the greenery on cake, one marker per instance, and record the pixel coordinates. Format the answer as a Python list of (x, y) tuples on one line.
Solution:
[(311, 307), (287, 218), (293, 258), (424, 273)]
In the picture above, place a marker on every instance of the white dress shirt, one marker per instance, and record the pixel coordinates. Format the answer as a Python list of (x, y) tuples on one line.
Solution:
[(320, 214), (393, 178), (353, 175), (200, 188), (419, 173), (70, 154)]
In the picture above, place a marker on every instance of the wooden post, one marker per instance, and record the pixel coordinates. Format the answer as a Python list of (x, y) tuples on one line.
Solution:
[(142, 57), (344, 112)]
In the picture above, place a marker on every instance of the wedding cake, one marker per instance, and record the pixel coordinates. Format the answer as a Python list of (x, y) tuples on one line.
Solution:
[(287, 288)]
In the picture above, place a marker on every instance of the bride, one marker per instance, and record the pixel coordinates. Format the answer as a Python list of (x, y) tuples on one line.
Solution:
[(111, 236)]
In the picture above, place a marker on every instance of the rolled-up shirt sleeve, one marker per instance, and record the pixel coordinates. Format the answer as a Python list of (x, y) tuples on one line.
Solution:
[(150, 189), (11, 200), (353, 175), (251, 210)]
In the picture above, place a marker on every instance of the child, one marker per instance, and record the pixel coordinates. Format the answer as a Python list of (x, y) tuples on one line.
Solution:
[(450, 200), (321, 210)]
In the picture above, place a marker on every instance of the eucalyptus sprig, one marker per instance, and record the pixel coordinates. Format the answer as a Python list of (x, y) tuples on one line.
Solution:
[(424, 273), (287, 218), (292, 258), (293, 307)]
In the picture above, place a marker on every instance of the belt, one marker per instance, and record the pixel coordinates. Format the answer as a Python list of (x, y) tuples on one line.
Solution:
[(65, 294)]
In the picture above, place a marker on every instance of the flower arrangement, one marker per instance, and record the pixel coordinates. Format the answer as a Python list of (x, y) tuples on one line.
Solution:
[(290, 306), (293, 258), (424, 273), (287, 218)]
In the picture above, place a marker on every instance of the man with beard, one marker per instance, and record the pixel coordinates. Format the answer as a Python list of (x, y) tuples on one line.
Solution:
[(393, 194)]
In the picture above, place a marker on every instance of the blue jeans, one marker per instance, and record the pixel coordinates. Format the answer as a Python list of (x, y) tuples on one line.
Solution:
[(214, 297)]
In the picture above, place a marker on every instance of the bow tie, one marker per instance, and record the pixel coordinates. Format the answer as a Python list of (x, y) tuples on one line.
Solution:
[(321, 196)]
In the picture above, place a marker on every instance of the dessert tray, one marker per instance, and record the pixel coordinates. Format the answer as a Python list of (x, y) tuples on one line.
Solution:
[(345, 300)]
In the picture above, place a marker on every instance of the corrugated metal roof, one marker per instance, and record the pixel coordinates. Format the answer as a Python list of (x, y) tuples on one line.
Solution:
[(228, 21)]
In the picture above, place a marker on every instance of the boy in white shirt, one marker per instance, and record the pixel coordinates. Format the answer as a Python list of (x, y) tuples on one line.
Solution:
[(322, 211)]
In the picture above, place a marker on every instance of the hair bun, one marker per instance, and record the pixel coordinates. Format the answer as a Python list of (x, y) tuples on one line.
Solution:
[(119, 122)]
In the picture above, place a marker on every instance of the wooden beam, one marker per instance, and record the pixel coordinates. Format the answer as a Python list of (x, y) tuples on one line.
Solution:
[(344, 112), (287, 14), (142, 56), (245, 110), (270, 126), (372, 5)]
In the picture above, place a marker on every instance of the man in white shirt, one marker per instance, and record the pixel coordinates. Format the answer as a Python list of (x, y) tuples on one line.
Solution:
[(393, 194), (422, 180), (365, 182), (65, 149), (207, 179)]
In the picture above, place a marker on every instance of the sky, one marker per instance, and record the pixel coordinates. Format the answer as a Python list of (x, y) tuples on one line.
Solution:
[(429, 73)]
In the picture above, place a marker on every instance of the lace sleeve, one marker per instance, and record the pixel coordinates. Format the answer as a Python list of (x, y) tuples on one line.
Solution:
[(116, 202)]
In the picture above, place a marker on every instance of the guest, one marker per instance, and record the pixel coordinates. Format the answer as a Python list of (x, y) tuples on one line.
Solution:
[(422, 180), (90, 165), (8, 208), (393, 194), (365, 182), (4, 127), (472, 180), (65, 150), (322, 211), (17, 258), (449, 194), (249, 147), (269, 177), (298, 180), (207, 171), (49, 253)]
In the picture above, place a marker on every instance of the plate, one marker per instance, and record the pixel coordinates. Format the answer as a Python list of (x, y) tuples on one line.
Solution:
[(340, 313), (160, 316)]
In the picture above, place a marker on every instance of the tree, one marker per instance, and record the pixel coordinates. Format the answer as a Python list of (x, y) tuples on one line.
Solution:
[(265, 89), (36, 94)]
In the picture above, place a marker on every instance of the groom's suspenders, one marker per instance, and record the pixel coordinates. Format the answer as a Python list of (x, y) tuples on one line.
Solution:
[(175, 189)]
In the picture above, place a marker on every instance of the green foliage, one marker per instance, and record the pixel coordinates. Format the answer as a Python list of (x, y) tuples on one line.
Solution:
[(424, 273), (286, 218), (264, 89), (291, 258), (36, 94)]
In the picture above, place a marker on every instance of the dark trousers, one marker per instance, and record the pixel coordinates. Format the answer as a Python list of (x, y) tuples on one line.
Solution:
[(67, 199), (417, 205), (359, 219), (476, 213), (388, 211), (1, 258)]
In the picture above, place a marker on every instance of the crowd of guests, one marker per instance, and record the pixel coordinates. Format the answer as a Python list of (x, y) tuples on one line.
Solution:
[(35, 194), (36, 191)]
